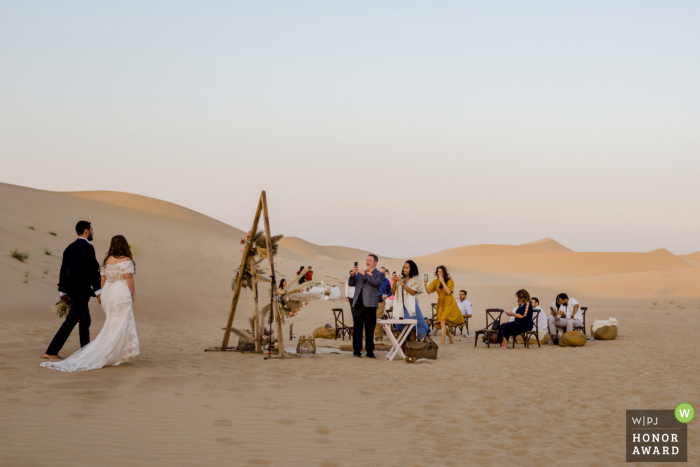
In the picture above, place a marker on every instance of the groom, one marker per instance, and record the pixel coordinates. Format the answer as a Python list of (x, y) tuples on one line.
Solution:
[(364, 305), (79, 280)]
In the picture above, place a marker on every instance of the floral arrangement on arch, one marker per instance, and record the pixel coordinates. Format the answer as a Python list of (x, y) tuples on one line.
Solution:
[(258, 253)]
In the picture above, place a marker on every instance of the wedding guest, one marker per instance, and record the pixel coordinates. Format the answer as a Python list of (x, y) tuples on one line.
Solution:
[(302, 278), (568, 315), (447, 312), (309, 275), (365, 303), (522, 321), (384, 291), (283, 284), (349, 291), (389, 301), (464, 305), (405, 289), (542, 321)]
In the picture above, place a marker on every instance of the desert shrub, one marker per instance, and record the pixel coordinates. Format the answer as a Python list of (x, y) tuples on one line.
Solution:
[(19, 255)]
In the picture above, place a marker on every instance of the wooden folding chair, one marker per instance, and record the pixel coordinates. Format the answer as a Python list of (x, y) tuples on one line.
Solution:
[(432, 319), (462, 326), (340, 327), (532, 332), (582, 328), (492, 314)]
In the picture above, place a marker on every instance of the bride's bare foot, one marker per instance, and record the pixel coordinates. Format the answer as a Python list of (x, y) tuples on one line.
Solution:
[(52, 357)]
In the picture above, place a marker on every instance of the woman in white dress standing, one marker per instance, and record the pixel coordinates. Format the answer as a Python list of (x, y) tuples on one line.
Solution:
[(117, 342)]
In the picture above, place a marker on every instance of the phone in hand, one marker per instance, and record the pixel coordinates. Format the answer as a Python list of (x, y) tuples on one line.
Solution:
[(425, 277), (355, 263)]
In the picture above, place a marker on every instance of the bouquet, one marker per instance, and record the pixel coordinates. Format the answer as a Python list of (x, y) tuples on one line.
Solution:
[(61, 308)]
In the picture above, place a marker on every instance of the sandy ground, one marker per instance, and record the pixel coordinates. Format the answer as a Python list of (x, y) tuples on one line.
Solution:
[(177, 405)]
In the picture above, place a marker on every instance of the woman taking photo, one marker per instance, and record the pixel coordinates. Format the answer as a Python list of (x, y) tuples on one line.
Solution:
[(447, 312), (522, 322), (405, 289)]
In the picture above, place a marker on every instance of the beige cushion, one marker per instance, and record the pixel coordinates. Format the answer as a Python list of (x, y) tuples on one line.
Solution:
[(324, 333), (605, 333), (573, 339)]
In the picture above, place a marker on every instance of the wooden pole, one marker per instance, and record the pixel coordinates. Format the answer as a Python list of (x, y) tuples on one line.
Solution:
[(270, 257), (241, 270), (256, 311)]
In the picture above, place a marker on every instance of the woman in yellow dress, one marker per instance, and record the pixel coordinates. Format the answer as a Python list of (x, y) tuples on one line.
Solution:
[(447, 312)]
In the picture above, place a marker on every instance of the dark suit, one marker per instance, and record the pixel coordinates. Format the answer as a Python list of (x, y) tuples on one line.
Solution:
[(364, 309), (79, 279)]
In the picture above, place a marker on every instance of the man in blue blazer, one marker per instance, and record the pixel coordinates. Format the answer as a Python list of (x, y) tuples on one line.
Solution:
[(365, 303)]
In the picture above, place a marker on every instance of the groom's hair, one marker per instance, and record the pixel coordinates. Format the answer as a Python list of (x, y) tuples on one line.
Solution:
[(82, 226)]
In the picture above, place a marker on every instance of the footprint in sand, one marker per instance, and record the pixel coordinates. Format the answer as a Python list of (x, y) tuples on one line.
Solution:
[(286, 421), (258, 462), (321, 440), (227, 441), (223, 423), (366, 393), (328, 464), (322, 430)]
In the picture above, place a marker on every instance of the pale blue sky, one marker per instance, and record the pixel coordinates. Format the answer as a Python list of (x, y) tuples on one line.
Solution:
[(399, 127)]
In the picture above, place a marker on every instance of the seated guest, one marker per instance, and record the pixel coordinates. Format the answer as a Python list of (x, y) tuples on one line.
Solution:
[(382, 295), (542, 323), (405, 289), (522, 322), (464, 305), (567, 316)]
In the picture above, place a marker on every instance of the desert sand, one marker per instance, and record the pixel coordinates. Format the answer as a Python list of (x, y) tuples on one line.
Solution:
[(175, 405)]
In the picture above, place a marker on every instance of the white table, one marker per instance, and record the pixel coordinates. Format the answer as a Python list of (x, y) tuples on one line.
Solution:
[(396, 344)]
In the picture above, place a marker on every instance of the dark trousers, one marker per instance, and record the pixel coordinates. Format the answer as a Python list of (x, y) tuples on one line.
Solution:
[(364, 319), (512, 328), (78, 311)]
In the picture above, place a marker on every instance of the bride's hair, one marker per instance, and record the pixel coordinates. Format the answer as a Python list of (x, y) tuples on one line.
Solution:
[(119, 248)]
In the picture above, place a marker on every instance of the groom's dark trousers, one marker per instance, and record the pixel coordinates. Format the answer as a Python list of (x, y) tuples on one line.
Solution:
[(78, 311)]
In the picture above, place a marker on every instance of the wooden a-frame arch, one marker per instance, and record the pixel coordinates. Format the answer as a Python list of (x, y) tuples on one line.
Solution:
[(274, 308)]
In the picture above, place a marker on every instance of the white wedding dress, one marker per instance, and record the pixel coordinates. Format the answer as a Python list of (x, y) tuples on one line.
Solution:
[(117, 341)]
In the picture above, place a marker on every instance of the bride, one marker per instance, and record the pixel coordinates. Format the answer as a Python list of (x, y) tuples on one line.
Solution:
[(117, 342)]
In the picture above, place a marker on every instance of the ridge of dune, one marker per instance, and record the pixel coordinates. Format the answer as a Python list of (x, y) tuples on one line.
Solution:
[(138, 202), (546, 245), (305, 248), (693, 256)]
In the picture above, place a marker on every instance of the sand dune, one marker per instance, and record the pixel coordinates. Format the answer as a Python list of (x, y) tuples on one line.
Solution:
[(546, 245), (176, 405), (309, 250)]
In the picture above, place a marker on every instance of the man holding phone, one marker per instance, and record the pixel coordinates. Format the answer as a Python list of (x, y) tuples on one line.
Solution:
[(364, 304)]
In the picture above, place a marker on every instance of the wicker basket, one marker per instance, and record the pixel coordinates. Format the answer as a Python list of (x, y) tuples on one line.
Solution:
[(417, 350)]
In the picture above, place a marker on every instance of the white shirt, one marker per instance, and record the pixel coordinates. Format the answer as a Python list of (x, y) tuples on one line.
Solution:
[(465, 307), (542, 320), (349, 291), (97, 292), (569, 310)]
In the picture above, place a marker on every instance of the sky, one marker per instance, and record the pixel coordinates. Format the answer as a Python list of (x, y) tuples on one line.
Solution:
[(399, 127)]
